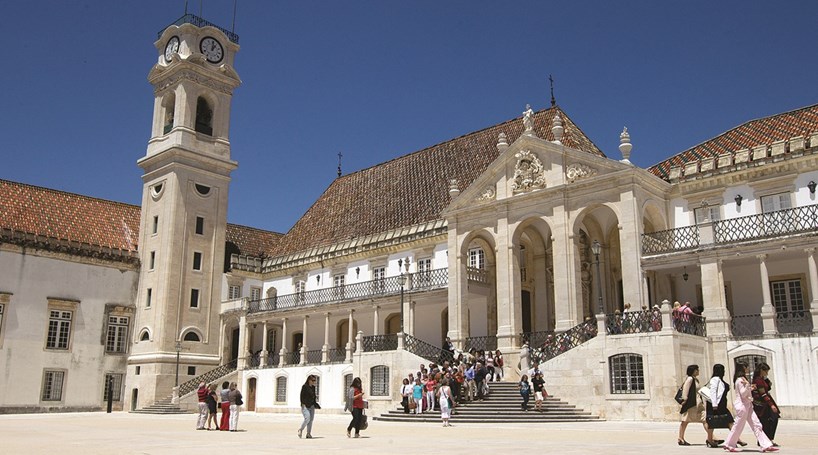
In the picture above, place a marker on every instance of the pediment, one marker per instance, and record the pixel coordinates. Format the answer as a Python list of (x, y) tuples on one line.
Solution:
[(531, 165)]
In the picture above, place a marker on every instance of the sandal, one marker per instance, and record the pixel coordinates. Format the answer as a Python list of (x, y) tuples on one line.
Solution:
[(682, 442)]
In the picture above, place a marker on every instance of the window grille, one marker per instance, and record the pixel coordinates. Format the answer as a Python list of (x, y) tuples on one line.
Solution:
[(379, 381), (751, 360), (115, 341), (281, 389), (52, 385), (59, 329), (627, 374), (116, 386)]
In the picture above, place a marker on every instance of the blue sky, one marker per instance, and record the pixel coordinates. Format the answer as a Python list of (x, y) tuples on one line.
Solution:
[(379, 79)]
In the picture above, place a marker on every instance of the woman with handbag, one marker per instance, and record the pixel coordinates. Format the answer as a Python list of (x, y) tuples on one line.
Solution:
[(406, 395), (743, 403), (356, 396), (235, 398), (692, 410), (718, 416), (444, 392), (308, 405), (763, 404)]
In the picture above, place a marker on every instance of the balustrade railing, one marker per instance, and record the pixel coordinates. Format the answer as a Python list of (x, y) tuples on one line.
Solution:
[(556, 344), (417, 282), (314, 357), (337, 355), (633, 322), (486, 343), (477, 275), (746, 325), (766, 225), (426, 350), (793, 321), (689, 323), (292, 358), (535, 338), (377, 343), (678, 239)]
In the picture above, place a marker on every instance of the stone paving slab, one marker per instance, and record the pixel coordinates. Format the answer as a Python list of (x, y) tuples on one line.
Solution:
[(124, 433)]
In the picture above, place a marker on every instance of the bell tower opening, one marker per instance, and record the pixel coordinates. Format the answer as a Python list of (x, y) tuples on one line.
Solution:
[(204, 117)]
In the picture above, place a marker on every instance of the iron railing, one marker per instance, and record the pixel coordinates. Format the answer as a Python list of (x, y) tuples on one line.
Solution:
[(314, 357), (746, 325), (199, 22), (633, 322), (535, 338), (208, 377), (766, 225), (555, 345), (793, 321), (337, 355), (689, 323), (254, 361), (417, 282), (426, 350), (486, 343), (292, 358), (377, 343), (678, 239), (273, 360)]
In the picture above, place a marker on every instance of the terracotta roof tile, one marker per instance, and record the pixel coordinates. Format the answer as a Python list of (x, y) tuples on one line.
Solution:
[(413, 188), (251, 241), (800, 122)]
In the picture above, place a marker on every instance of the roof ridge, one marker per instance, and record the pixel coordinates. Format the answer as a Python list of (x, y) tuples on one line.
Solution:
[(254, 228)]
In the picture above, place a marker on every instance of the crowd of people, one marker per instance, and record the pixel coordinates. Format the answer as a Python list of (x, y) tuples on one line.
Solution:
[(753, 404), (228, 400)]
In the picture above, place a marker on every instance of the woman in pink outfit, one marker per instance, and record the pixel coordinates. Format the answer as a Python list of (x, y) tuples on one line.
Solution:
[(744, 413)]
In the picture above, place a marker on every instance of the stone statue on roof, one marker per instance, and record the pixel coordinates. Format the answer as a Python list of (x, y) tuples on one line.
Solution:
[(528, 121)]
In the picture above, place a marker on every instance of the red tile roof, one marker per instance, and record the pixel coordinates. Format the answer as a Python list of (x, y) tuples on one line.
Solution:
[(800, 122), (413, 188), (72, 217)]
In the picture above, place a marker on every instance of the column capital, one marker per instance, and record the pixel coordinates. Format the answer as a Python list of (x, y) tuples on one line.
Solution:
[(761, 257), (351, 310), (810, 250)]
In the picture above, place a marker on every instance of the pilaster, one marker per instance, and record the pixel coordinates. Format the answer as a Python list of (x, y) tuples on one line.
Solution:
[(716, 314)]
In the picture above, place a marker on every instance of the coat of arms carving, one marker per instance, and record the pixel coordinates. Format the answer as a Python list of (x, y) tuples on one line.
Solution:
[(528, 173), (578, 171)]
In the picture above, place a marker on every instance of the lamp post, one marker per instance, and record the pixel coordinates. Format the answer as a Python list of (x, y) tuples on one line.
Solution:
[(596, 248), (178, 350), (401, 282)]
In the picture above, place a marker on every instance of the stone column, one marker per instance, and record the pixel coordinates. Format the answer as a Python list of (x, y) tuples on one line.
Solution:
[(376, 322), (567, 278), (411, 325), (630, 251), (645, 291), (767, 308), (458, 293), (264, 352), (350, 340), (813, 285), (508, 288), (244, 352), (717, 315), (304, 347), (325, 347), (282, 354)]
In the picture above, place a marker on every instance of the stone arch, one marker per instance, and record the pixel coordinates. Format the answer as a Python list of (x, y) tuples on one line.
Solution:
[(599, 222), (653, 217), (188, 334), (533, 272), (145, 334), (168, 111), (342, 332)]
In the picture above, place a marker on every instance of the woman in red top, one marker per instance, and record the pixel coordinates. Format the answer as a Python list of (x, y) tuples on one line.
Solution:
[(763, 404), (357, 398)]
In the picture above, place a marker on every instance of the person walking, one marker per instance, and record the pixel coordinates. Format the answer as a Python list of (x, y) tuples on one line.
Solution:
[(743, 404), (718, 416), (498, 365), (538, 384), (764, 406), (525, 392), (211, 400), (692, 410), (235, 398), (445, 395), (308, 405), (356, 397), (480, 373), (201, 394), (225, 405)]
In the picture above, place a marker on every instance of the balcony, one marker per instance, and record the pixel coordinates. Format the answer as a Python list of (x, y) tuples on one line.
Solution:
[(416, 282), (798, 220)]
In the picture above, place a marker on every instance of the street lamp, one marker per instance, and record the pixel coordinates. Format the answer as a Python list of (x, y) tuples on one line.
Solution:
[(596, 248), (178, 350), (401, 282)]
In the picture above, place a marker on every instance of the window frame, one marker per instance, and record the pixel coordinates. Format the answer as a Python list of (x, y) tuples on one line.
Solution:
[(148, 297), (45, 387), (198, 255), (198, 227), (195, 302), (117, 386), (379, 381), (61, 307), (625, 379), (477, 258), (233, 291), (121, 328), (280, 390)]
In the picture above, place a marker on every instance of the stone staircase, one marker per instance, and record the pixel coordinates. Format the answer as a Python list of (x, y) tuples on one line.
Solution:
[(503, 404), (163, 406), (166, 406)]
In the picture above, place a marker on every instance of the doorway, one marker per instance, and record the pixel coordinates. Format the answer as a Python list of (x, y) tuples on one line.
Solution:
[(526, 311), (134, 399), (251, 394)]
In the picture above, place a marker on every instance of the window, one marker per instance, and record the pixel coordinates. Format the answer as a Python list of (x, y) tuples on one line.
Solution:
[(194, 298), (146, 336), (711, 211), (197, 261), (114, 380), (776, 222), (234, 292), (116, 339), (347, 385), (255, 293), (379, 381), (2, 310), (199, 225), (204, 117), (152, 261), (627, 373), (148, 298), (300, 289), (191, 336), (281, 389), (477, 258), (59, 329), (787, 296), (191, 371), (338, 286), (378, 279), (52, 385), (523, 261), (775, 202), (155, 228), (137, 370), (317, 388), (424, 271), (751, 360)]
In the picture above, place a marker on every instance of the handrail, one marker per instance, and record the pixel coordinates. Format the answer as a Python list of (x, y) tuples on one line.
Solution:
[(426, 350), (556, 344), (766, 225), (207, 377)]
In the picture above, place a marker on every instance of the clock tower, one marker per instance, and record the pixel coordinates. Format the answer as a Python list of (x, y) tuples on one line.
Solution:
[(184, 210)]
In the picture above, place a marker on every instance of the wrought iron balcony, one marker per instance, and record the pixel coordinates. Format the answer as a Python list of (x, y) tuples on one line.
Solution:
[(798, 220), (416, 282), (633, 322), (377, 343), (486, 343), (793, 321), (199, 22), (746, 325)]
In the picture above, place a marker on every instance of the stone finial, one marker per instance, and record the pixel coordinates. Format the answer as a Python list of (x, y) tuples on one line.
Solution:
[(557, 128), (454, 188), (502, 142), (528, 121), (625, 145)]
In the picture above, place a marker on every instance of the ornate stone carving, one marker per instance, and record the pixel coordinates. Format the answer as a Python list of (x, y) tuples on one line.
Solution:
[(578, 171), (528, 121), (197, 78), (528, 173), (487, 194)]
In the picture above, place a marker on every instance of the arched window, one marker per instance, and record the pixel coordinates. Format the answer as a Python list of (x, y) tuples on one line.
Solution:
[(191, 336), (204, 117), (627, 373), (145, 335), (281, 389), (379, 381), (169, 103)]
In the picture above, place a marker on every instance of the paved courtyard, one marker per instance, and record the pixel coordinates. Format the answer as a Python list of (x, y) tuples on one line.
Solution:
[(123, 433)]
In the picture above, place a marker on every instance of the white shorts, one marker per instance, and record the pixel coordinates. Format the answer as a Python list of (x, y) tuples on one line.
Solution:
[(538, 396)]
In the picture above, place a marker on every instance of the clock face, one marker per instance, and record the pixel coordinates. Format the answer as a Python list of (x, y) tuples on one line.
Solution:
[(171, 48), (212, 49)]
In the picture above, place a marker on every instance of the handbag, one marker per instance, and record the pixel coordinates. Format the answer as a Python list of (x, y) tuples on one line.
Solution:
[(413, 404), (364, 423), (704, 392), (239, 402), (719, 420), (678, 396)]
